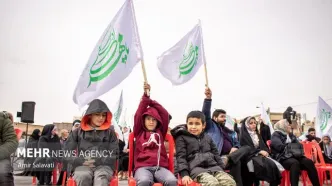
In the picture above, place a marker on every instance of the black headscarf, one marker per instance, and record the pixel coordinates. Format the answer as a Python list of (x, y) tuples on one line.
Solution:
[(35, 134), (47, 131), (245, 138)]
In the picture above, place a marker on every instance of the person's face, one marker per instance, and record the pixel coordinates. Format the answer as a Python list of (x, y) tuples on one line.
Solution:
[(125, 129), (76, 126), (150, 123), (195, 126), (289, 129), (54, 131), (97, 119), (65, 134), (312, 133), (326, 140), (221, 119), (252, 124)]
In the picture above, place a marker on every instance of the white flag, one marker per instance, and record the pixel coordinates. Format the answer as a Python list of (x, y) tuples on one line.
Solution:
[(117, 129), (229, 122), (123, 122), (118, 108), (266, 119), (323, 124), (181, 62), (113, 58)]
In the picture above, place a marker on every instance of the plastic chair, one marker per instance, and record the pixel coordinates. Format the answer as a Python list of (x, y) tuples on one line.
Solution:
[(285, 181), (192, 183), (321, 166), (131, 179), (54, 177), (114, 181), (19, 133)]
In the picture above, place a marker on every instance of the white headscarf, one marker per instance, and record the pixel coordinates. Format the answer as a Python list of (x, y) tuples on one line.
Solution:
[(282, 126), (252, 133)]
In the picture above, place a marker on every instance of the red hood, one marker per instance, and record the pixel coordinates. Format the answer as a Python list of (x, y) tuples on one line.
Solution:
[(151, 111)]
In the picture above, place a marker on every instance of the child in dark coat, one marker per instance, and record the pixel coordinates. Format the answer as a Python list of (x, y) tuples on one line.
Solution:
[(197, 155)]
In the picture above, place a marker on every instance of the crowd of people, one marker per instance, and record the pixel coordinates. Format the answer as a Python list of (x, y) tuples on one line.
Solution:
[(206, 151)]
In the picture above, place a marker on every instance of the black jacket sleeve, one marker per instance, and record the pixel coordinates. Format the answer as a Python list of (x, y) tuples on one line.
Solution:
[(276, 144), (181, 156)]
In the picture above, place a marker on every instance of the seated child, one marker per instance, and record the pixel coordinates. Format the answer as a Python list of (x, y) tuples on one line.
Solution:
[(97, 147), (150, 157), (197, 155)]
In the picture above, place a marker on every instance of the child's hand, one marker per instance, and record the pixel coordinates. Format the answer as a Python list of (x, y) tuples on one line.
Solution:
[(264, 153), (186, 180), (146, 87), (89, 163)]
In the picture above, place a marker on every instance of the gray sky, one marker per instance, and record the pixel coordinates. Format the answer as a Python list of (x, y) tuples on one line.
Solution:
[(278, 52)]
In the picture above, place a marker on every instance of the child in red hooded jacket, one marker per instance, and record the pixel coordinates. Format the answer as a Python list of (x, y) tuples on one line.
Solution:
[(150, 157)]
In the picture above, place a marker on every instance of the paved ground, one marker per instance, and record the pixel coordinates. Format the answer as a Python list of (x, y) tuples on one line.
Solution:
[(27, 181)]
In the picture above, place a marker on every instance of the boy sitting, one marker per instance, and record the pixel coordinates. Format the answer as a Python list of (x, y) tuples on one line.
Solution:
[(197, 155), (97, 145), (150, 157)]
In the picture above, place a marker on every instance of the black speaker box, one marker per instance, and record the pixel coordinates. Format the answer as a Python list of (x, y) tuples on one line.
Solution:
[(28, 112)]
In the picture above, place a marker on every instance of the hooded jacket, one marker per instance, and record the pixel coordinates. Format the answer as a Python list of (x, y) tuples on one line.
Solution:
[(91, 140), (195, 154), (150, 149)]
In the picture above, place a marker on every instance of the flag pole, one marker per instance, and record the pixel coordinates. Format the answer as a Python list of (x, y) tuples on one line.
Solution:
[(205, 68), (144, 76), (206, 75)]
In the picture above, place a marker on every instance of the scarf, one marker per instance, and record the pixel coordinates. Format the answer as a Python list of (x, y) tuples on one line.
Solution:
[(327, 147), (281, 126), (252, 133)]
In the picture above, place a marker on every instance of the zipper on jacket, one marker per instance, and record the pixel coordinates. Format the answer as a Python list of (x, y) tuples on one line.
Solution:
[(94, 134), (199, 145)]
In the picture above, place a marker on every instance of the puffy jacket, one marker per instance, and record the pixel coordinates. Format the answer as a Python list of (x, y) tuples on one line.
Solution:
[(8, 145), (87, 139), (214, 130), (195, 154), (150, 143), (8, 138), (278, 144)]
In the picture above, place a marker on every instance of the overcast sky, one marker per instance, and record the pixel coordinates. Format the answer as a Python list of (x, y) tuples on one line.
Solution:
[(276, 52)]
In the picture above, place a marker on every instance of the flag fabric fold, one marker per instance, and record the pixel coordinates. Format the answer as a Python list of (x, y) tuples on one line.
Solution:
[(323, 123), (181, 62), (112, 60), (266, 118)]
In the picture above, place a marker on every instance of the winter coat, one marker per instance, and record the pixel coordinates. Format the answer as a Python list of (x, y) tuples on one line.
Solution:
[(8, 138), (278, 144), (195, 154), (86, 139)]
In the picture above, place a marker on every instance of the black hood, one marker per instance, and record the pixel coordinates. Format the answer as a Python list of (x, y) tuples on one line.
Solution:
[(97, 106), (76, 121), (47, 130), (289, 109), (35, 134)]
